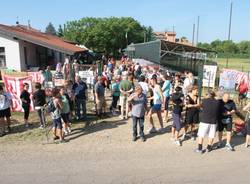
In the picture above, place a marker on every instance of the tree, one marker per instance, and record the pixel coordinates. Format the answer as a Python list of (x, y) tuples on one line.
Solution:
[(108, 35), (50, 29), (60, 31)]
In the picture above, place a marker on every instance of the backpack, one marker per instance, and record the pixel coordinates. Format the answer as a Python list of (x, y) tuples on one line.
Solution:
[(51, 106)]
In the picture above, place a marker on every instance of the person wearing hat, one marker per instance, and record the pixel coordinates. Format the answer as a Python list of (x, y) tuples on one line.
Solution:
[(208, 121), (139, 108)]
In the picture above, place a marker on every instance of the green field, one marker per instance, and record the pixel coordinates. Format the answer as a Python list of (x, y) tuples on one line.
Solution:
[(235, 63)]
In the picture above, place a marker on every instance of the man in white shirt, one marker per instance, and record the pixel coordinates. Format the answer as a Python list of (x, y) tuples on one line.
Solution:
[(189, 81), (143, 85)]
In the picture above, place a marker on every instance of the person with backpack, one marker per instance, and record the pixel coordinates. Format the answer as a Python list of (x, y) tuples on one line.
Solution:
[(54, 107), (115, 94), (25, 98), (39, 98)]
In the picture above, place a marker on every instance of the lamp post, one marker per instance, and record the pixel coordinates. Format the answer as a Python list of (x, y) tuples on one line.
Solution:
[(230, 25)]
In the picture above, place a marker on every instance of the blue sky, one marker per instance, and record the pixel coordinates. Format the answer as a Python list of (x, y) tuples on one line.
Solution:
[(160, 14)]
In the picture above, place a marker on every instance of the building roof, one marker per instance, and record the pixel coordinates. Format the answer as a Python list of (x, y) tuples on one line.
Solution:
[(37, 37)]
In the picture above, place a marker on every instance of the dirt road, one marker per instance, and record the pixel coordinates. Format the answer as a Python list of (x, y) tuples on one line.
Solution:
[(104, 153)]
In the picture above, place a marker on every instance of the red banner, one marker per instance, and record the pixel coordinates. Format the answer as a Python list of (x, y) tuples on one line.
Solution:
[(36, 77), (14, 85)]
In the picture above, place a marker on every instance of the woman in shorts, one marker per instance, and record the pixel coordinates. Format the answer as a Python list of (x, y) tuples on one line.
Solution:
[(247, 108)]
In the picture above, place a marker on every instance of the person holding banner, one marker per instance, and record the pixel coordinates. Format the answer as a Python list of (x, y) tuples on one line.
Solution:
[(5, 110), (25, 98)]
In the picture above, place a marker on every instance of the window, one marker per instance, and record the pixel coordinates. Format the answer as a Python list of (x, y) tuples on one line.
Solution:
[(2, 57)]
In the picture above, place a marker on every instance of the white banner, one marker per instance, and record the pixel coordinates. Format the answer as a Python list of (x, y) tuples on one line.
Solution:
[(209, 75)]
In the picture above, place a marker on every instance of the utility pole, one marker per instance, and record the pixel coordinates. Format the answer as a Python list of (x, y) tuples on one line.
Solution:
[(193, 34), (173, 33), (230, 25), (197, 33)]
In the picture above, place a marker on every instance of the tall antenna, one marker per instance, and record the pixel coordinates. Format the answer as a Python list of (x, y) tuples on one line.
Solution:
[(230, 25), (197, 32), (193, 34)]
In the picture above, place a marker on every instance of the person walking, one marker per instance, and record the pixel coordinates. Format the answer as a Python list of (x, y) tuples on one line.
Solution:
[(39, 98), (208, 121), (156, 108), (227, 109), (139, 107), (25, 98)]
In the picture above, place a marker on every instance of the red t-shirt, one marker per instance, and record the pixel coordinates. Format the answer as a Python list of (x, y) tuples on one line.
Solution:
[(243, 88)]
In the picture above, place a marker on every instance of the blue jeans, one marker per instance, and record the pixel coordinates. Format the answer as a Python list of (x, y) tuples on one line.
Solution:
[(137, 120), (81, 105)]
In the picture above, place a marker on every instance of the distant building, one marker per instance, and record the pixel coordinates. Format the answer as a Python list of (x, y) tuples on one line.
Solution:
[(23, 47), (170, 36)]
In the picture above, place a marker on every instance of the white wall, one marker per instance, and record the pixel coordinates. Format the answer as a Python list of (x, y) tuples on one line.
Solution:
[(12, 54), (31, 54)]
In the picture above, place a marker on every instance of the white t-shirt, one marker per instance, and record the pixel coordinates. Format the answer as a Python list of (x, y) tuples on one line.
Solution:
[(5, 99), (144, 87)]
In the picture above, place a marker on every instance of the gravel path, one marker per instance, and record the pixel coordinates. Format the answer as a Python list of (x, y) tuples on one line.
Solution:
[(104, 153)]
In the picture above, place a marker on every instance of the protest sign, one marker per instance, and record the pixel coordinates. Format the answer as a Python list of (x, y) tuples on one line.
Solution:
[(14, 85), (209, 75)]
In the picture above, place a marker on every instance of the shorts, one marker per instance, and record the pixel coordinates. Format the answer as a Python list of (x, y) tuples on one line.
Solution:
[(101, 104), (207, 129), (5, 113), (65, 117), (166, 105), (222, 126), (242, 96), (156, 107), (248, 127), (192, 117), (57, 123), (177, 121)]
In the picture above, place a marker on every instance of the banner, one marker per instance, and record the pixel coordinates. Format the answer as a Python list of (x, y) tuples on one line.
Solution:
[(14, 85), (209, 75), (228, 78), (36, 77)]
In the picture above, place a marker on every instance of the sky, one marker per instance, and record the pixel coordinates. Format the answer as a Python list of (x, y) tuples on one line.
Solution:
[(162, 15)]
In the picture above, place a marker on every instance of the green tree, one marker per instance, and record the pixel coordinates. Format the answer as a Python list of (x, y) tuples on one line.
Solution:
[(50, 29), (108, 35), (60, 31)]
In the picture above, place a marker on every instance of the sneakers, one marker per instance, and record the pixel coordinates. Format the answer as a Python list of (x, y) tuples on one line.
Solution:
[(229, 147), (219, 145), (183, 137), (177, 142), (134, 138), (63, 141), (198, 151), (41, 127), (152, 130), (143, 139), (246, 145), (193, 138), (161, 130)]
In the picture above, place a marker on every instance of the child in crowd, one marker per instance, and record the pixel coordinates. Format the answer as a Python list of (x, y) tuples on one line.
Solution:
[(177, 99)]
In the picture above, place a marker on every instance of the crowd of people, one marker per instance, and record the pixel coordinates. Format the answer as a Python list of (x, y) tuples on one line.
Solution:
[(137, 92)]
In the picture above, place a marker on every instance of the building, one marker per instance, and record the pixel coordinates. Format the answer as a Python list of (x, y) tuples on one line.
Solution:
[(176, 56), (170, 36), (167, 35), (23, 47)]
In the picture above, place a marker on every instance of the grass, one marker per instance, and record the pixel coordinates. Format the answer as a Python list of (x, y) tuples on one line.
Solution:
[(235, 63)]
